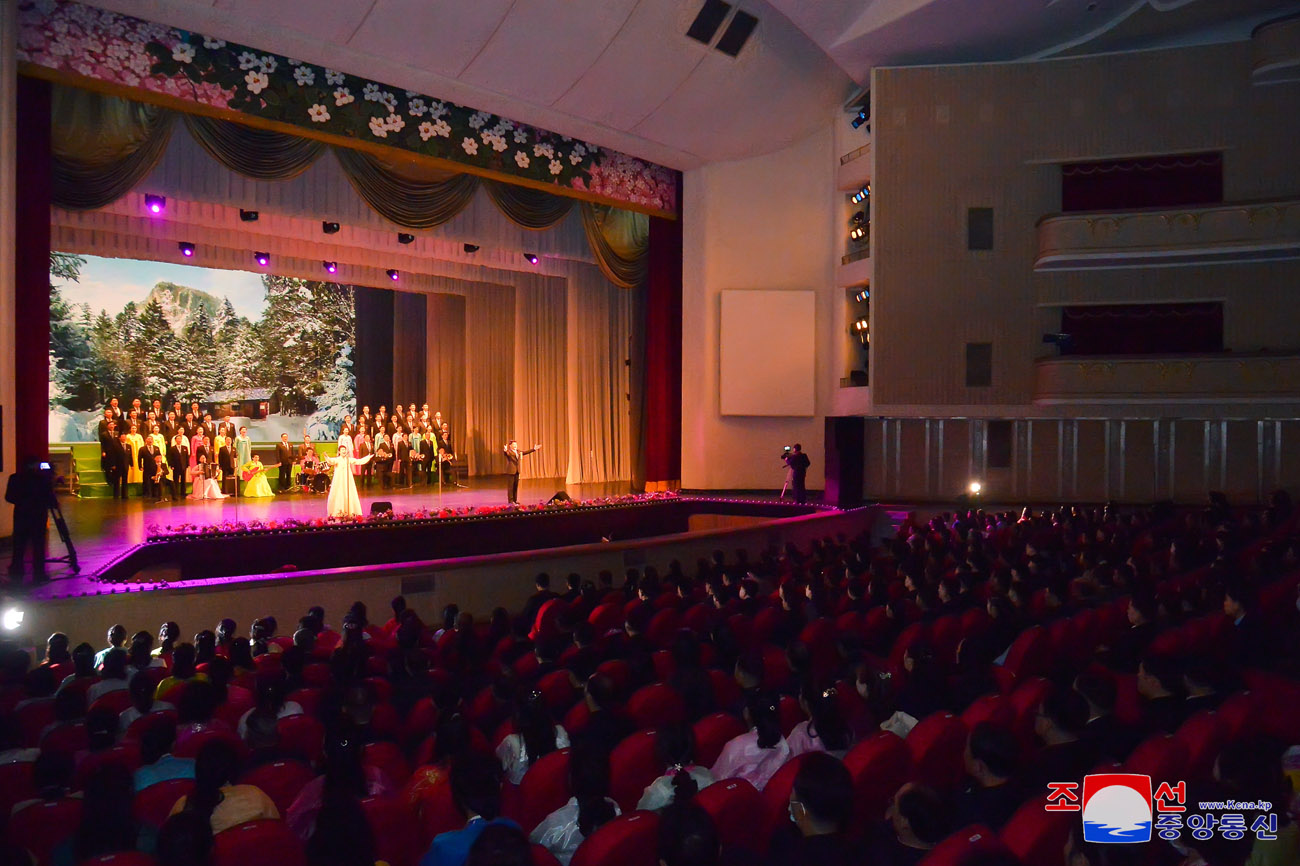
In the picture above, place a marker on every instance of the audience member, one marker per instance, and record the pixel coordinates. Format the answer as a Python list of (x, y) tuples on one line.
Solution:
[(682, 778), (990, 795), (820, 804), (535, 736), (476, 791), (757, 754), (216, 796), (562, 831)]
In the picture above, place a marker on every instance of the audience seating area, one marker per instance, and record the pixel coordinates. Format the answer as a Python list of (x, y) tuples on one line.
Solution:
[(1176, 631)]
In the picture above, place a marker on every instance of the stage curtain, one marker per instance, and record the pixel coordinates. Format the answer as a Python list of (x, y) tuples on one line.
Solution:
[(661, 374), (256, 153), (489, 376), (411, 196), (410, 345), (620, 240), (528, 208), (598, 382), (102, 146), (540, 374), (445, 363)]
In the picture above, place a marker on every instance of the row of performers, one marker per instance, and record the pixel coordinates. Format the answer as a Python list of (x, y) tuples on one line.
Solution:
[(155, 465)]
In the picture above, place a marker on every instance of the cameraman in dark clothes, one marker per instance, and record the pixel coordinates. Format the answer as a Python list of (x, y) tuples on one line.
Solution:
[(797, 462), (31, 492)]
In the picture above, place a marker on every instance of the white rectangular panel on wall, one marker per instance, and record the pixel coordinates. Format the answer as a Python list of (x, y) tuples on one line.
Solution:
[(767, 353)]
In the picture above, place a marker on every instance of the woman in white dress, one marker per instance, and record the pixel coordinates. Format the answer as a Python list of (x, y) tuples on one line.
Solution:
[(343, 500), (205, 478)]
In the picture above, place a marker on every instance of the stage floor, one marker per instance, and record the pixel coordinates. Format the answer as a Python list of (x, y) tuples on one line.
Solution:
[(103, 529)]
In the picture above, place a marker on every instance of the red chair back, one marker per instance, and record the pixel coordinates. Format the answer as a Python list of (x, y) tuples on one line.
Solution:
[(125, 754), (732, 804), (726, 693), (698, 618), (629, 840), (1037, 836), (619, 671), (936, 745), (990, 708), (577, 717), (258, 843), (879, 765), (1203, 736), (776, 800), (135, 731), (34, 717), (397, 835), (544, 789), (606, 617), (1024, 702), (69, 738), (633, 766), (303, 736), (194, 743), (15, 784), (954, 850), (663, 627), (41, 826), (282, 781), (1159, 756), (557, 690), (712, 733), (120, 858), (388, 759), (655, 706), (1030, 654), (114, 702), (1239, 715), (789, 714), (152, 805)]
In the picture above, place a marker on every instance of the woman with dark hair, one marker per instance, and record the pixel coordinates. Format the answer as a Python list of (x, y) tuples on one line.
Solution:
[(216, 797), (562, 831), (183, 672), (107, 825), (241, 656), (185, 839), (342, 836), (112, 676), (500, 845), (257, 726), (605, 727), (225, 636), (687, 837), (689, 677), (825, 729), (167, 637), (536, 735), (344, 777), (682, 778), (205, 647), (423, 790), (758, 753), (83, 669), (923, 688)]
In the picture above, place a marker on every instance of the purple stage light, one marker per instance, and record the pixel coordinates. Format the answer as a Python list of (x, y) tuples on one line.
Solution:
[(331, 267), (187, 249), (392, 274), (262, 259), (155, 203), (532, 259)]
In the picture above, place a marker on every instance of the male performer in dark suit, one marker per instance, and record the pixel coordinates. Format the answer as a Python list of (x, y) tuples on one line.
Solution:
[(116, 464), (284, 456), (512, 468), (226, 463), (147, 455), (108, 420), (402, 466), (448, 466), (429, 448), (178, 458)]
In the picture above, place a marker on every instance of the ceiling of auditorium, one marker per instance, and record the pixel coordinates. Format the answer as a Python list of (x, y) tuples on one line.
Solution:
[(623, 74)]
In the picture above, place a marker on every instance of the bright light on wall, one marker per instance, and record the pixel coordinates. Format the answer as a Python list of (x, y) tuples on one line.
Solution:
[(975, 488), (11, 619)]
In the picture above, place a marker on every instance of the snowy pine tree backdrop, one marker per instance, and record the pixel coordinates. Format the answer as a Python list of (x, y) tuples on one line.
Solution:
[(181, 343)]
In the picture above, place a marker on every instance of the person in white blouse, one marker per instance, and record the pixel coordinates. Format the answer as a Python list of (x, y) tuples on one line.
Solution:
[(757, 754), (675, 749), (562, 831), (535, 736)]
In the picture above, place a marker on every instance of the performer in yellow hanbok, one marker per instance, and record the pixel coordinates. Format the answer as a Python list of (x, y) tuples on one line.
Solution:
[(134, 441), (254, 475), (156, 436)]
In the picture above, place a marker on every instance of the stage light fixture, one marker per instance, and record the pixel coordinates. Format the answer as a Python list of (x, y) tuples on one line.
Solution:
[(532, 259), (405, 238), (248, 216), (155, 203), (857, 233), (187, 249), (329, 228), (864, 114), (11, 619), (471, 248), (862, 296), (392, 274), (262, 258), (975, 488), (331, 267), (861, 195)]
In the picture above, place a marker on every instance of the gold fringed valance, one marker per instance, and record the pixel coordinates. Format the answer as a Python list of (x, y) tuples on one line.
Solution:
[(256, 153), (102, 146), (105, 145)]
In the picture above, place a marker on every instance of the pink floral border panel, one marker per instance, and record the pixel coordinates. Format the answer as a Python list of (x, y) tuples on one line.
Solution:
[(81, 40)]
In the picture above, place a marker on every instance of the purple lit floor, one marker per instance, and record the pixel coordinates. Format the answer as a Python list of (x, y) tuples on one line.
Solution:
[(103, 529)]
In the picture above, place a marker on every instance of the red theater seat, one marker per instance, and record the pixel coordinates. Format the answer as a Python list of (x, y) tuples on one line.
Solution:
[(732, 804), (936, 745), (152, 805), (629, 840), (397, 835), (120, 858), (68, 738), (15, 784), (303, 736), (725, 691), (996, 709), (577, 717), (193, 744), (776, 798), (1202, 736), (1239, 715), (135, 731), (258, 843), (1030, 654), (972, 840), (40, 827), (1160, 757), (656, 706), (544, 789), (712, 733), (557, 690), (619, 671), (114, 702), (879, 766), (633, 766), (789, 713), (1036, 836), (388, 758), (663, 627), (282, 781)]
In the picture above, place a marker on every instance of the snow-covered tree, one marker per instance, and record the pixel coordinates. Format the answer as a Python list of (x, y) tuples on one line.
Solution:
[(241, 357), (304, 327), (338, 394)]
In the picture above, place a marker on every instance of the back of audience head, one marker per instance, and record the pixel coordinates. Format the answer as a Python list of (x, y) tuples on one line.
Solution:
[(1159, 674), (52, 774), (83, 660), (214, 768), (205, 647), (107, 825), (500, 845), (589, 782), (918, 815), (823, 708), (675, 752), (601, 692), (156, 741), (535, 726), (185, 839), (688, 837), (183, 661), (822, 797), (762, 713), (476, 785), (1098, 690), (1062, 710), (992, 753)]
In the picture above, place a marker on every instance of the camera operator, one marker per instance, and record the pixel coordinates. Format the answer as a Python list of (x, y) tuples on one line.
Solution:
[(796, 463), (31, 491)]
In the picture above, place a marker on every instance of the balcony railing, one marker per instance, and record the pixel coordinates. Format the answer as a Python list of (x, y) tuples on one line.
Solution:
[(1240, 232), (1225, 378)]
